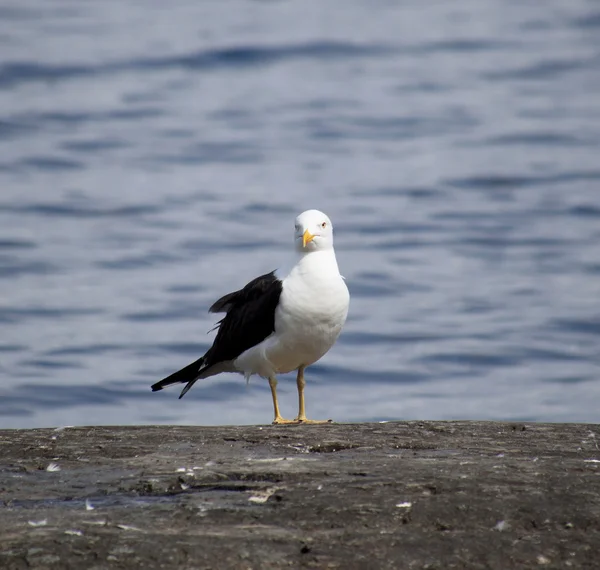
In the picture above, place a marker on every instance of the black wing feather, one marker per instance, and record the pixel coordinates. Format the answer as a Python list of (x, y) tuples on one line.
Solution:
[(186, 374), (252, 291), (249, 320)]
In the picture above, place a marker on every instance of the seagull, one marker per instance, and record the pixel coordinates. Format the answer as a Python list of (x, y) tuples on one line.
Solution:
[(275, 326)]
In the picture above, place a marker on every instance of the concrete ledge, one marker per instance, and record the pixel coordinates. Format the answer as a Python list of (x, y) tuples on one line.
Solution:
[(396, 495)]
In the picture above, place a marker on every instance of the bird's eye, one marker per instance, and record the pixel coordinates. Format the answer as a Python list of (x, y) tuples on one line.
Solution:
[(324, 225)]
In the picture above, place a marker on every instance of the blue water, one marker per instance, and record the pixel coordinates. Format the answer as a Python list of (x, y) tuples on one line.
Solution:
[(153, 157)]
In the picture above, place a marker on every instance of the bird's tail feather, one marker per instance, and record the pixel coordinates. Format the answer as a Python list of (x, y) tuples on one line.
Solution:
[(187, 387), (187, 375)]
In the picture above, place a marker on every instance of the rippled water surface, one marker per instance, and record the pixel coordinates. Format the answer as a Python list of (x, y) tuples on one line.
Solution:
[(153, 156)]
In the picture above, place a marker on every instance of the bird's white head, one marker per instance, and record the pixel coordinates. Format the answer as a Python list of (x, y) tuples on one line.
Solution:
[(314, 232)]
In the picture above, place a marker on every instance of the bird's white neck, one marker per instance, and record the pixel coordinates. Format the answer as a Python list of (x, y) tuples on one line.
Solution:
[(322, 261)]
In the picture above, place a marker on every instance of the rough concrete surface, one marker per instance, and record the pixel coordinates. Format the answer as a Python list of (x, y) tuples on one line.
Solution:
[(419, 495)]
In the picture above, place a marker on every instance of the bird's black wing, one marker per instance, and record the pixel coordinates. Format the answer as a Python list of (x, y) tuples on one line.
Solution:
[(252, 291), (249, 320)]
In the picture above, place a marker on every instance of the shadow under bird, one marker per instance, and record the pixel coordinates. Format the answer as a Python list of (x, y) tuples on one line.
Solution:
[(274, 326)]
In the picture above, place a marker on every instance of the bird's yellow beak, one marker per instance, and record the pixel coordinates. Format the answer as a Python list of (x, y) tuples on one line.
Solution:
[(307, 237)]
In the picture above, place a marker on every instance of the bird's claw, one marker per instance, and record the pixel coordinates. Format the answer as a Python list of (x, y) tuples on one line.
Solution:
[(278, 421), (307, 421)]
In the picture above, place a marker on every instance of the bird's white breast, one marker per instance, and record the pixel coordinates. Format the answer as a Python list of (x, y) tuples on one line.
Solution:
[(311, 313)]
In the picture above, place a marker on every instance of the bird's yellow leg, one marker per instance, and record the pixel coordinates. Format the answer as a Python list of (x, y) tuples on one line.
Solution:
[(300, 382), (278, 419)]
